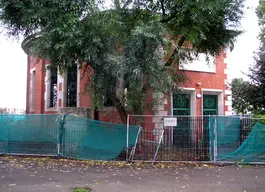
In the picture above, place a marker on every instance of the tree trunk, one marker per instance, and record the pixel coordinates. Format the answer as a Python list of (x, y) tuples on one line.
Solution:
[(122, 112)]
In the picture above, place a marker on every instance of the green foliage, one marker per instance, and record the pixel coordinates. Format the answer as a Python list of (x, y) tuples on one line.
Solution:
[(81, 189), (246, 97), (241, 97), (128, 39), (260, 118)]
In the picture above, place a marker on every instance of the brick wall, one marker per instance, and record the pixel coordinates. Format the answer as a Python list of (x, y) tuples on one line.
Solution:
[(206, 80)]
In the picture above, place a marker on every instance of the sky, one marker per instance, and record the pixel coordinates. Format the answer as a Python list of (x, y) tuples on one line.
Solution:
[(13, 61), (242, 56)]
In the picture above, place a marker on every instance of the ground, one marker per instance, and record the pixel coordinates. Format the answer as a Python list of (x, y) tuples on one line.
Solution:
[(24, 174)]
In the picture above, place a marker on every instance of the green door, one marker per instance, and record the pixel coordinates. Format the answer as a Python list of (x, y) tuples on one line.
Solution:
[(210, 105), (181, 104), (181, 133)]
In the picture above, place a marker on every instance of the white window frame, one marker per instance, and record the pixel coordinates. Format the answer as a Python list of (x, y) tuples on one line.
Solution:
[(48, 90), (32, 90), (200, 64), (64, 88)]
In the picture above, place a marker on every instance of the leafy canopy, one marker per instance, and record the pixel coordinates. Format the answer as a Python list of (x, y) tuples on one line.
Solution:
[(242, 101), (257, 71), (124, 43)]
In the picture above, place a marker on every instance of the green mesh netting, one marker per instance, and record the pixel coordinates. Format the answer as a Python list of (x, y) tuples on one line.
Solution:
[(228, 134), (79, 137), (28, 134), (228, 130), (251, 150), (89, 139)]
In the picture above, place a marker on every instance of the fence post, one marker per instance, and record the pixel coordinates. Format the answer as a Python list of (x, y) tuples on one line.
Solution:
[(9, 136), (127, 137), (157, 149), (215, 140), (60, 133)]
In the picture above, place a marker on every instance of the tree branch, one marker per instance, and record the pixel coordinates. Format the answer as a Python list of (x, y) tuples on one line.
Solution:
[(163, 8), (176, 51), (121, 110)]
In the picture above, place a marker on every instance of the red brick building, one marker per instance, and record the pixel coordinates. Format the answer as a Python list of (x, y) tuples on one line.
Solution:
[(205, 91)]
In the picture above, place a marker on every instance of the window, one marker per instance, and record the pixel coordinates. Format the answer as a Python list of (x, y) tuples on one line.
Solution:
[(200, 64), (53, 88), (32, 91), (72, 86), (108, 102)]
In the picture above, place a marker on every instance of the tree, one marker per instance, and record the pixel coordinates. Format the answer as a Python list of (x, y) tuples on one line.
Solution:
[(257, 71), (123, 42), (241, 100)]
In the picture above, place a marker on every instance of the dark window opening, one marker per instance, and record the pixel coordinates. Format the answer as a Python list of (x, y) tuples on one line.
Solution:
[(72, 86), (96, 114), (108, 102), (53, 87)]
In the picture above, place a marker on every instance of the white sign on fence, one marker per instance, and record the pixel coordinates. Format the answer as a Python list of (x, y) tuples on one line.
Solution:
[(170, 122)]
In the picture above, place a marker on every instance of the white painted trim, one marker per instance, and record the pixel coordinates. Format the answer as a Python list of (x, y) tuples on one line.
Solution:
[(78, 88), (32, 90), (228, 103), (200, 64), (225, 61), (188, 89), (228, 92), (212, 90), (64, 90), (47, 92), (60, 93), (192, 92)]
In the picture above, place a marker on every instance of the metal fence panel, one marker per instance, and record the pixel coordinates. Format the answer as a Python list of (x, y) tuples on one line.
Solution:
[(201, 138), (188, 141)]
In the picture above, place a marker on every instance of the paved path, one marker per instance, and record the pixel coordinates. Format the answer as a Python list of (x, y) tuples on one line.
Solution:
[(38, 176)]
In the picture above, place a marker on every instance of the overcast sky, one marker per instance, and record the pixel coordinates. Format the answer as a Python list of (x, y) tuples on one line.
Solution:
[(13, 61), (242, 56)]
